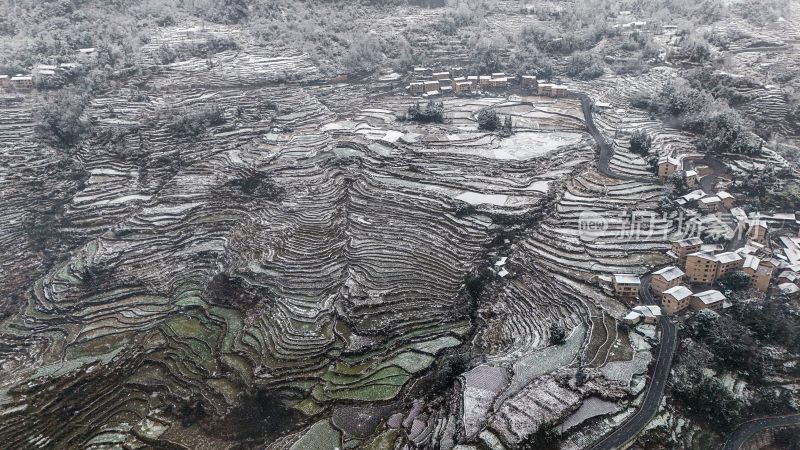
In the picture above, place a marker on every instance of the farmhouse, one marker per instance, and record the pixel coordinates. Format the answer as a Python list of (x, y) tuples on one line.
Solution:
[(560, 90), (787, 276), (684, 247), (529, 81), (89, 51), (789, 289), (416, 88), (626, 286), (422, 72), (701, 267), (485, 80), (431, 86), (648, 314), (759, 275), (462, 87), (728, 262), (667, 166), (691, 178), (710, 203), (21, 82), (758, 230), (666, 278), (499, 82), (711, 299), (675, 299), (545, 89), (726, 199), (441, 75)]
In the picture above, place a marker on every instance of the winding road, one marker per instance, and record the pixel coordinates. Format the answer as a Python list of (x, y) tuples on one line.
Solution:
[(748, 429), (669, 334), (655, 388), (631, 427)]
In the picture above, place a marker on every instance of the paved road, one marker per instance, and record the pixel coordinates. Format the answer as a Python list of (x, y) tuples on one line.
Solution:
[(655, 388), (606, 152), (747, 429), (669, 335)]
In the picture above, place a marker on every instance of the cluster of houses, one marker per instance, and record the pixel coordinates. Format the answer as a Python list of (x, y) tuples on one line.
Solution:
[(40, 72), (698, 266), (428, 83)]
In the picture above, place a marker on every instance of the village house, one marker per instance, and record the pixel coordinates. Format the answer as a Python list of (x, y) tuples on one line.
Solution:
[(498, 75), (675, 299), (499, 82), (728, 262), (791, 249), (701, 267), (757, 230), (667, 166), (670, 29), (417, 88), (771, 262), (787, 276), (474, 80), (4, 81), (648, 314), (457, 72), (693, 196), (560, 90), (626, 286), (21, 82), (44, 74), (789, 289), (431, 86), (691, 178), (529, 81), (710, 203), (711, 299), (601, 106), (759, 275), (422, 72), (485, 80), (441, 76), (446, 90), (740, 216), (545, 89), (462, 87), (683, 247), (780, 220), (726, 199), (665, 278)]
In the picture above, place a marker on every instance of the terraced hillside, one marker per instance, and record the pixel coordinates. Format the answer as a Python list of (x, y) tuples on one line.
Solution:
[(303, 253)]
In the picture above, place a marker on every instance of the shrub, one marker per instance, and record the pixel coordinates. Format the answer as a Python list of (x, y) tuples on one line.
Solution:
[(364, 55), (709, 399), (195, 122), (702, 324), (432, 112), (735, 281), (584, 66), (641, 142), (557, 334), (546, 437), (488, 120), (57, 120), (694, 49)]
